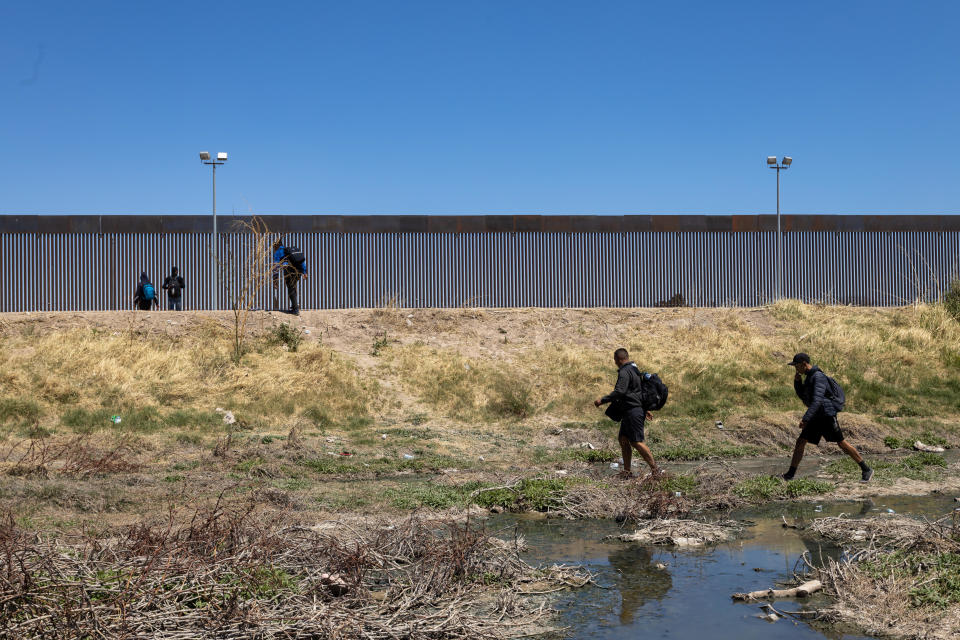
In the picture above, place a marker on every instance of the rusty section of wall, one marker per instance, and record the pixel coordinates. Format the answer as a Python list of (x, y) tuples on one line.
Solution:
[(479, 224)]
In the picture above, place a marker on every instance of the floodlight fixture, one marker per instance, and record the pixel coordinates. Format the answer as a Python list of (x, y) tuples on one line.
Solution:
[(214, 282), (784, 164)]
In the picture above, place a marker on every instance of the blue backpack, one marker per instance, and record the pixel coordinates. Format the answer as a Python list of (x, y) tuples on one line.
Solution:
[(148, 291)]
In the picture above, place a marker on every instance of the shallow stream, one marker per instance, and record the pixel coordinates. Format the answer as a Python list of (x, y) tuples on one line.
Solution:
[(690, 598)]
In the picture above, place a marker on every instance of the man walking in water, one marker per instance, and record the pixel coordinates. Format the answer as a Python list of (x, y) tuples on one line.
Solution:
[(627, 407), (823, 398)]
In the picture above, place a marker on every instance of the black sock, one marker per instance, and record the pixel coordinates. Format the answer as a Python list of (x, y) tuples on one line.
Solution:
[(863, 465)]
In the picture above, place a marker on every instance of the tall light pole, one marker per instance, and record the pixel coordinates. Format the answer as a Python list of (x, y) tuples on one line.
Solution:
[(784, 164), (221, 159)]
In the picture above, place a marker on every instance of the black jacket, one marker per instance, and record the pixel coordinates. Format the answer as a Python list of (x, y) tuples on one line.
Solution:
[(170, 281), (626, 392), (813, 392)]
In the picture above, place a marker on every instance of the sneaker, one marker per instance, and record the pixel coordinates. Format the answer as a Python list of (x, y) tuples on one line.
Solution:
[(866, 475)]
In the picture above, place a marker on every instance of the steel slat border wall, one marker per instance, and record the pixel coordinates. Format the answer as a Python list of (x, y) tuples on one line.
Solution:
[(98, 271)]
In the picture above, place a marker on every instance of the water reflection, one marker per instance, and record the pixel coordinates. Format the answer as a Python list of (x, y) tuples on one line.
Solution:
[(639, 580)]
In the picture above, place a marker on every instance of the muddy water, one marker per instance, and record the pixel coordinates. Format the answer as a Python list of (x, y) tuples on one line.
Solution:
[(690, 598)]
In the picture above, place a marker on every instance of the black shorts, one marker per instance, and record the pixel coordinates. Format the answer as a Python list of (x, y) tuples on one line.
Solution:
[(631, 426), (825, 427)]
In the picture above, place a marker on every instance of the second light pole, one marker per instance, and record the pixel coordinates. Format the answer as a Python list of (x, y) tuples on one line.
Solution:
[(784, 164), (206, 159)]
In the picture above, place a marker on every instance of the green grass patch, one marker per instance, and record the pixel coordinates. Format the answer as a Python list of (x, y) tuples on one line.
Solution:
[(917, 466), (704, 450), (434, 496), (893, 442), (538, 494), (936, 576), (684, 483), (140, 420), (762, 487), (19, 412), (193, 419)]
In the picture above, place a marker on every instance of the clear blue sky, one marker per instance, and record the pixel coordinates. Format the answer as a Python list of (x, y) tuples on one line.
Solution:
[(480, 107)]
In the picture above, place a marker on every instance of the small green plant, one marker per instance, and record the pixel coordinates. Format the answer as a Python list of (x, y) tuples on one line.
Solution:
[(380, 343), (266, 582), (286, 334), (893, 442)]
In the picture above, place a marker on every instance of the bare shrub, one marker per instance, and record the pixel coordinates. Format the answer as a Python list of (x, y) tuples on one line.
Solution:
[(246, 272)]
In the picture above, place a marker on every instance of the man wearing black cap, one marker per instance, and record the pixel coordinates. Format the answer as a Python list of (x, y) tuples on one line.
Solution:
[(820, 420)]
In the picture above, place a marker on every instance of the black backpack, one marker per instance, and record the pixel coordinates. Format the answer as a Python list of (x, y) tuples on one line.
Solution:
[(835, 393), (173, 290), (295, 257), (653, 393)]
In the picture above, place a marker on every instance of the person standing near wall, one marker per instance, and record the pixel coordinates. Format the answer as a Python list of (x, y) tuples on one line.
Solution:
[(173, 284), (291, 263), (145, 296)]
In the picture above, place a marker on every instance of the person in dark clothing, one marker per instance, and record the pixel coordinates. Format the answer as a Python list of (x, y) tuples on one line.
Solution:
[(628, 405), (820, 420), (173, 284), (290, 263), (145, 296)]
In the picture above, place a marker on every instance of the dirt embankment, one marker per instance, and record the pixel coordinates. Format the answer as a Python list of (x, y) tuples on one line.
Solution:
[(395, 408)]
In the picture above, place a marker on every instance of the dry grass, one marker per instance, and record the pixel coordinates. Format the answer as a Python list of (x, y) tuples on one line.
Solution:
[(116, 371)]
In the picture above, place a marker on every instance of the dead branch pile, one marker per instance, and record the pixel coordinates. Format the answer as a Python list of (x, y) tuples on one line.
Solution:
[(682, 533), (890, 529), (227, 574), (74, 457), (890, 562), (630, 501)]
